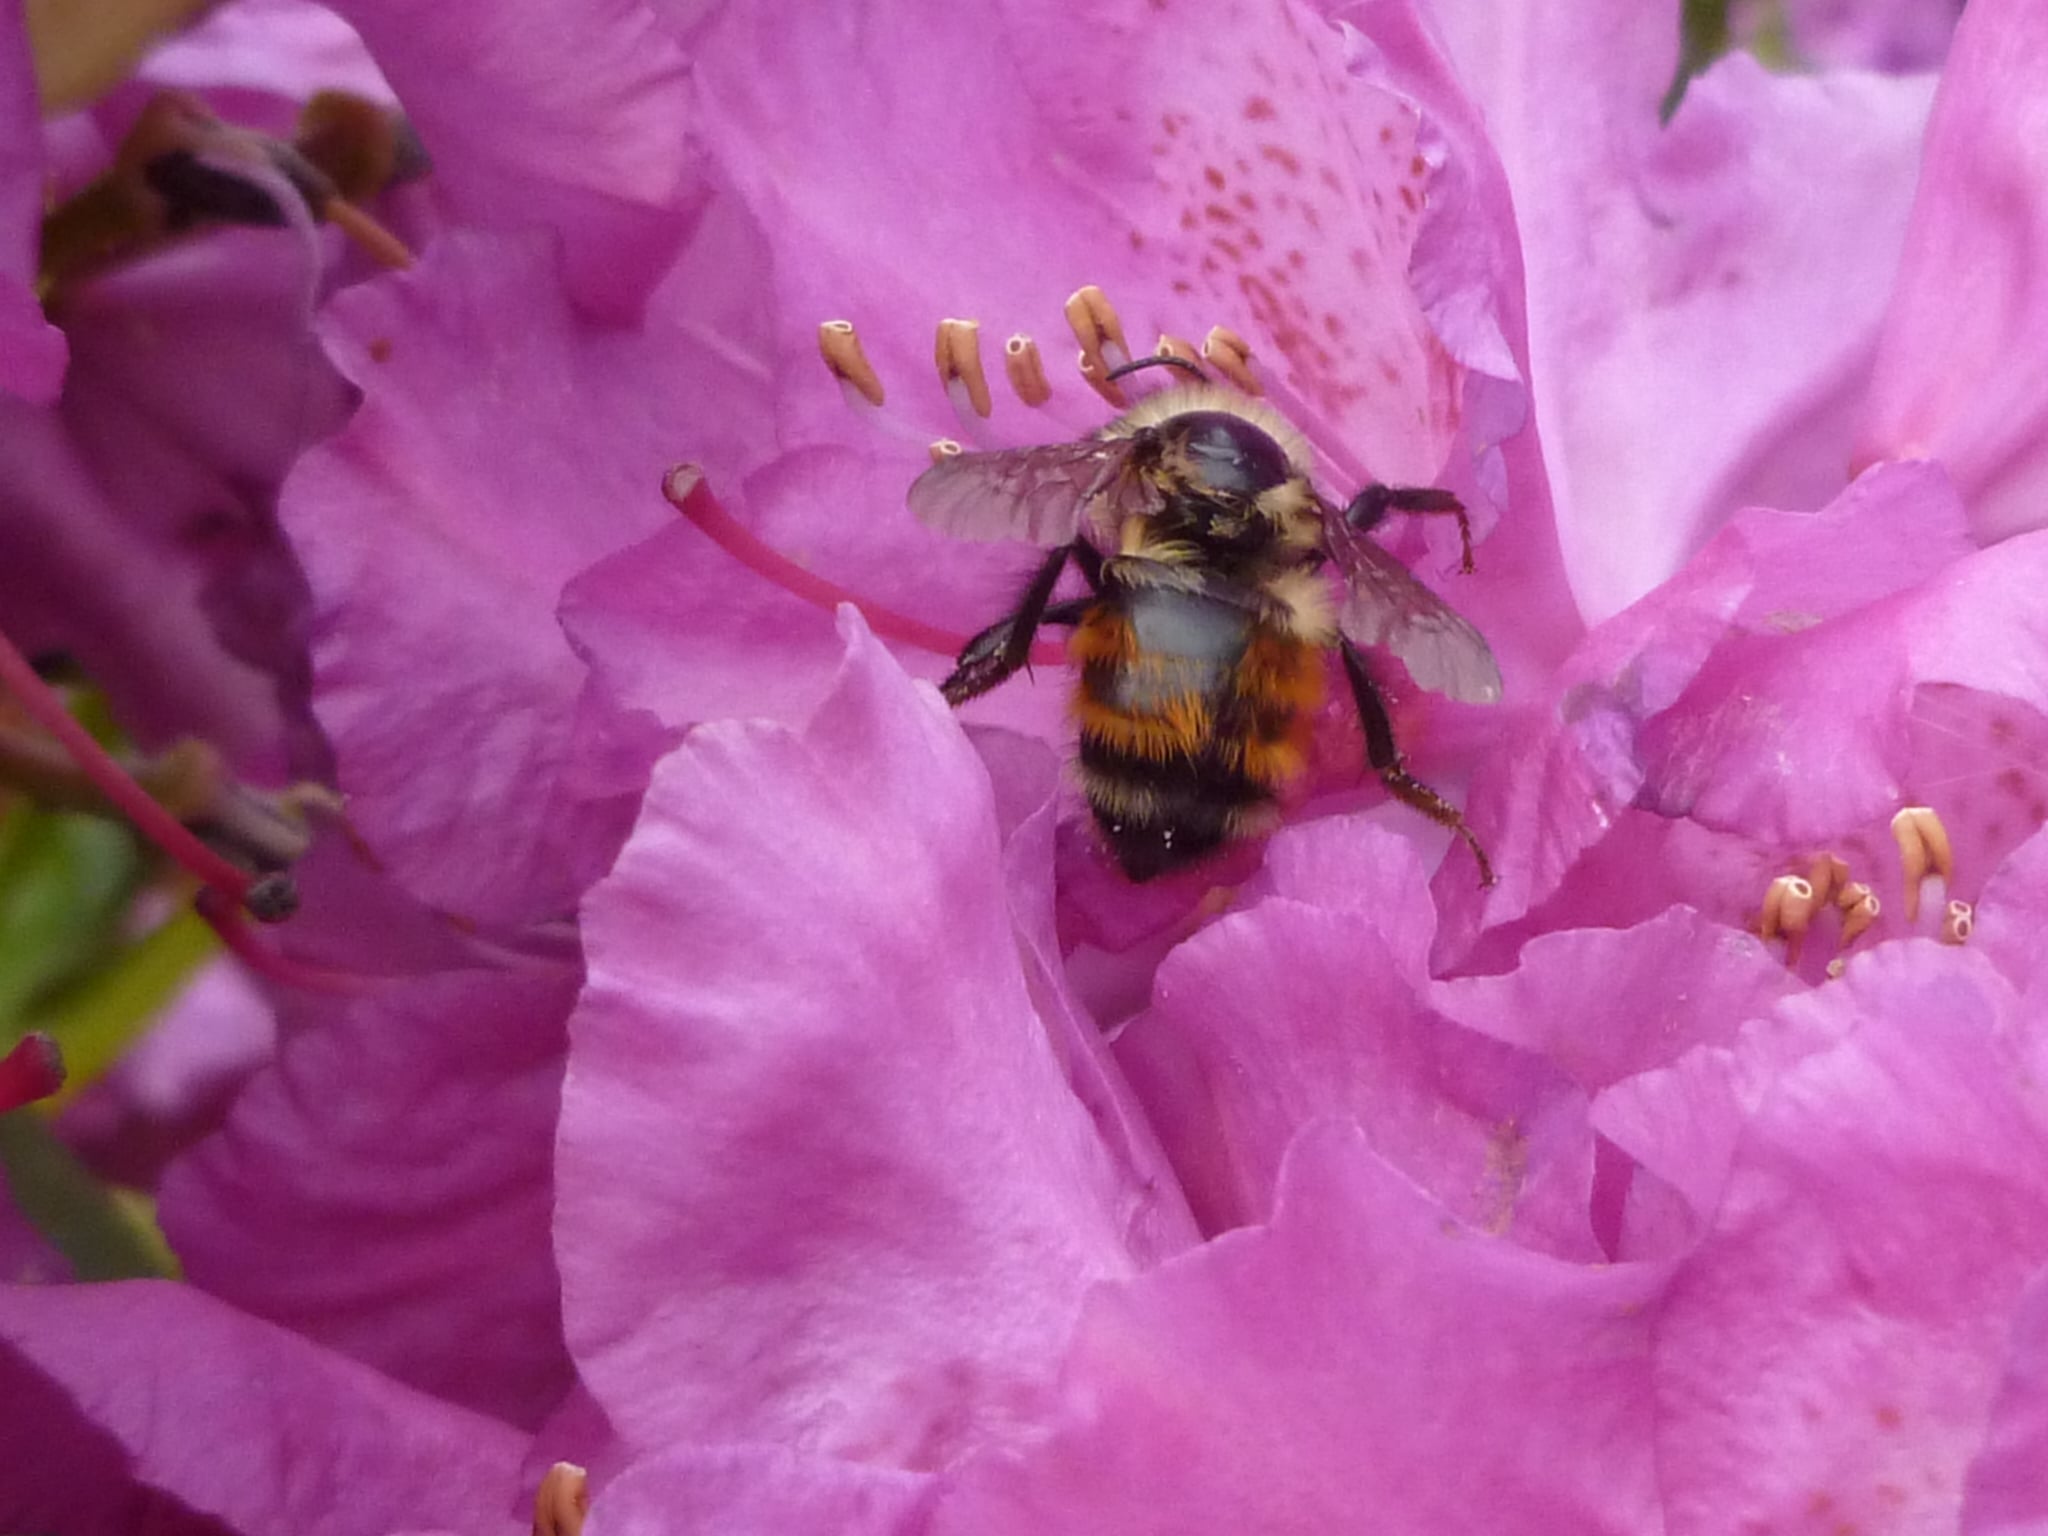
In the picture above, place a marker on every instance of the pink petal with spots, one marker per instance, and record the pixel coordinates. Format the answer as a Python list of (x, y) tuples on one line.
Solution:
[(1835, 1343), (596, 154), (1364, 1361), (255, 1426), (1961, 375), (1229, 173), (488, 463), (821, 1179), (1753, 240)]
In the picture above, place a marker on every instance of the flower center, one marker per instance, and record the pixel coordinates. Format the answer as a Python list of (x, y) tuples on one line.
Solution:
[(1794, 904)]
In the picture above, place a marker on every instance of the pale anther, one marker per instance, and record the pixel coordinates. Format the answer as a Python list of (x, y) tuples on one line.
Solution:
[(1923, 850), (562, 1503), (1835, 967), (1829, 874), (1230, 355), (957, 352), (1098, 330), (1788, 908), (1095, 373), (841, 349), (945, 448), (1026, 370), (1859, 906), (1177, 346), (1957, 922)]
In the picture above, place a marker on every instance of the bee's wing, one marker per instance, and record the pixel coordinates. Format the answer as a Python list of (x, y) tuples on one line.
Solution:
[(1384, 605), (1048, 495)]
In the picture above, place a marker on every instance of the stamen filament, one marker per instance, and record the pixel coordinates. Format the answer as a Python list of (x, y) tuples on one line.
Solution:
[(33, 1070), (155, 823), (260, 959), (369, 235), (687, 492)]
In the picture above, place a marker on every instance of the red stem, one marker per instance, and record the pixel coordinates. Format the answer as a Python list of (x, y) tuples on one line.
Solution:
[(685, 488), (241, 942), (128, 797)]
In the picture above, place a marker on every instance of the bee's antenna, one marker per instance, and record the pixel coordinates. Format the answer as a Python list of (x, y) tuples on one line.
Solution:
[(1162, 360)]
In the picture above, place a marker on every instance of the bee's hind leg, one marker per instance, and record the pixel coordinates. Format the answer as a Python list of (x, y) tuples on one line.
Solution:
[(1384, 755), (1004, 648)]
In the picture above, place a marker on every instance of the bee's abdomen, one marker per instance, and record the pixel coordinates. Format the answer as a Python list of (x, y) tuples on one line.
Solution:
[(1191, 716)]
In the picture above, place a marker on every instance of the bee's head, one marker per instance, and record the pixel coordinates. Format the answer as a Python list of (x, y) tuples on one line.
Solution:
[(1226, 454)]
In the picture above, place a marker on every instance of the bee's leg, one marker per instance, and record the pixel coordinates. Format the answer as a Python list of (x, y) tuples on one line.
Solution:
[(1373, 503), (1384, 755), (1004, 648)]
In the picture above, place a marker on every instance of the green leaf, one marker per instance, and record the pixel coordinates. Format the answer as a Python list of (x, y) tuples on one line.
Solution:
[(105, 1233), (97, 1019), (65, 882)]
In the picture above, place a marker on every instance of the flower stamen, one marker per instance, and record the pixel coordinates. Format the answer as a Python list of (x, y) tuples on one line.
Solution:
[(562, 1503), (33, 1070), (841, 349), (945, 448), (1789, 906), (1828, 874), (1177, 346), (1026, 370), (261, 960), (1230, 355), (1859, 907), (1100, 332), (957, 352), (1957, 921), (686, 491), (152, 820), (1924, 849)]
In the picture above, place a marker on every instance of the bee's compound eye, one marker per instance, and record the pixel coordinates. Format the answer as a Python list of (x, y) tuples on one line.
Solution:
[(1230, 455)]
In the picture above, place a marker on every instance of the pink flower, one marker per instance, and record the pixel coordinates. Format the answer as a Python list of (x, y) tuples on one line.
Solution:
[(749, 1090)]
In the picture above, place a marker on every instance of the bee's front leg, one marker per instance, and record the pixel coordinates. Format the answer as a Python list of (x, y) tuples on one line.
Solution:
[(1004, 648)]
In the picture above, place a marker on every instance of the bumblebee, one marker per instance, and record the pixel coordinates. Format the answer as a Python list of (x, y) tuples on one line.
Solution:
[(1219, 580)]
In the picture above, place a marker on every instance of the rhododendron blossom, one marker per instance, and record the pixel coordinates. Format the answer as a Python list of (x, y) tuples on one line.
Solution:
[(715, 1085)]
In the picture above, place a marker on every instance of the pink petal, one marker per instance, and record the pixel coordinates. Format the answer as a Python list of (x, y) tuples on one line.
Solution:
[(596, 154), (287, 48), (31, 349), (1961, 376), (385, 1188), (1898, 36), (253, 1425), (1284, 1013), (1228, 174), (2006, 1493), (174, 1085), (1365, 1362), (762, 1490), (873, 1228), (437, 532), (1754, 239), (1834, 1343), (1675, 982)]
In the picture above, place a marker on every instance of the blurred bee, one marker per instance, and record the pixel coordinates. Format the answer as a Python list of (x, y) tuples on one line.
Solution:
[(1209, 558)]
